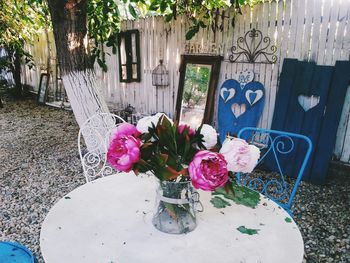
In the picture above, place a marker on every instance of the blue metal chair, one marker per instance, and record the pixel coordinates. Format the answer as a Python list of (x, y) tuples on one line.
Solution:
[(283, 153), (12, 252)]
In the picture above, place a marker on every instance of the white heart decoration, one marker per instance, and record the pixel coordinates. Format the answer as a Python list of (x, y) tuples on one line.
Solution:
[(308, 102), (244, 77), (231, 94), (238, 109), (259, 93)]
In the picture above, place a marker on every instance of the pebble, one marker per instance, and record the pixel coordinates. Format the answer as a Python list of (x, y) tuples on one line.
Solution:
[(39, 165)]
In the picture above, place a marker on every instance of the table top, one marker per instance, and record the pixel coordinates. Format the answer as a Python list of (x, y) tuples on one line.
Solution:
[(110, 221)]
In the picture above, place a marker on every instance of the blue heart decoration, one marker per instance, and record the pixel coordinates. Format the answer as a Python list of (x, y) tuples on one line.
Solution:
[(241, 110), (225, 94), (252, 97)]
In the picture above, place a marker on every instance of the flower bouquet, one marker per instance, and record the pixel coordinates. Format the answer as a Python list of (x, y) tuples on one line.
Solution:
[(181, 157)]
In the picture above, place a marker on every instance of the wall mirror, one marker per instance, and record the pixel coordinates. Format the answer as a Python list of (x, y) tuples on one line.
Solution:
[(196, 92)]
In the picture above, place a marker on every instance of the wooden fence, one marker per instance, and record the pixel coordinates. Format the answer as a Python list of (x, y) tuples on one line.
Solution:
[(309, 30)]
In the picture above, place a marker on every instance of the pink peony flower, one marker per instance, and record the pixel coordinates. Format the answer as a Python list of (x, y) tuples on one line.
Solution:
[(183, 126), (124, 129), (123, 152), (208, 170), (240, 156)]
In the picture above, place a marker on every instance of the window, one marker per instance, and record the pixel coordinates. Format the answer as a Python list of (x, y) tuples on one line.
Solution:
[(129, 56)]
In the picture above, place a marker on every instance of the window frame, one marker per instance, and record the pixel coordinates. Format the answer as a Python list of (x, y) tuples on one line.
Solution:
[(127, 35)]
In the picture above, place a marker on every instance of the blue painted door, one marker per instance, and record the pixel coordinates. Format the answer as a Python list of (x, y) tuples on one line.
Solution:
[(309, 102)]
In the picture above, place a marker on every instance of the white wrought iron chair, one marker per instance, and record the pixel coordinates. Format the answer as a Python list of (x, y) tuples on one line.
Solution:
[(93, 141)]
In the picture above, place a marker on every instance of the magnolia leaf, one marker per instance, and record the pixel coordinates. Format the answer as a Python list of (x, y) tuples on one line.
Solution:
[(240, 195), (218, 202), (288, 220), (164, 173), (166, 135), (164, 158), (248, 231), (171, 210)]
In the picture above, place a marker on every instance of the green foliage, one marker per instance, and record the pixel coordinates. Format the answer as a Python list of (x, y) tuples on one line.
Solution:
[(20, 21), (219, 202), (104, 18), (201, 13), (103, 28), (166, 152), (248, 231), (288, 220), (239, 194), (196, 85)]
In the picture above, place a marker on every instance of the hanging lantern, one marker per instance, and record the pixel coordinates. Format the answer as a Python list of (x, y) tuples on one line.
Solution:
[(160, 75)]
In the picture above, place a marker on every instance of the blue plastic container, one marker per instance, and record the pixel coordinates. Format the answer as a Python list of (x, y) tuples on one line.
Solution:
[(11, 252)]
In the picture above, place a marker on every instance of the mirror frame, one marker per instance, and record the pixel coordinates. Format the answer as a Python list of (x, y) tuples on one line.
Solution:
[(215, 63)]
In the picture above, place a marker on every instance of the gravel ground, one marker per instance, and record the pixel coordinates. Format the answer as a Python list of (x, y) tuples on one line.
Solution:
[(40, 164)]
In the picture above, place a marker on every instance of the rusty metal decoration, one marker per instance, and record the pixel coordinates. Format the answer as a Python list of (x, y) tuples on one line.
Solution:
[(160, 75), (254, 48)]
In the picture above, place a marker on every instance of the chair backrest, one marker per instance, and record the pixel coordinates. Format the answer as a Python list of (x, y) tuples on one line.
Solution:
[(93, 142), (282, 153)]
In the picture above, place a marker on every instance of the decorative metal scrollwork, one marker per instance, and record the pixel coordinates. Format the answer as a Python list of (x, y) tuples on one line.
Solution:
[(97, 131), (254, 48), (274, 187)]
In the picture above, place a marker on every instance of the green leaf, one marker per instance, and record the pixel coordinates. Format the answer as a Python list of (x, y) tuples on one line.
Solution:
[(248, 231), (168, 17), (218, 202), (171, 210), (132, 11), (288, 220), (190, 34), (114, 49), (202, 24), (166, 134), (240, 195), (104, 67), (163, 6), (100, 62)]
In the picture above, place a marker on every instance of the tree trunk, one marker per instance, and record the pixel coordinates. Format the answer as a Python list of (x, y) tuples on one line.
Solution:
[(15, 68), (17, 75), (69, 20)]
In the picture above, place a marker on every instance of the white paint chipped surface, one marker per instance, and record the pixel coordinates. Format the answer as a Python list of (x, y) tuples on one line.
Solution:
[(109, 220)]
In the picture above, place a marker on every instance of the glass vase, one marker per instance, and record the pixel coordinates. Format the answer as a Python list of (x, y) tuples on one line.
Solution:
[(175, 211)]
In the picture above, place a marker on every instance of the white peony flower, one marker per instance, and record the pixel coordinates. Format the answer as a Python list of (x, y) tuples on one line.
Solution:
[(146, 122), (210, 136)]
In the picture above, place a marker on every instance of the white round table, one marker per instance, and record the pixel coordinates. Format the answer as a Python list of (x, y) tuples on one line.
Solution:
[(109, 221)]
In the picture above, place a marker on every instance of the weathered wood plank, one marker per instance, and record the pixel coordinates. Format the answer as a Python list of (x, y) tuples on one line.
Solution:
[(283, 21), (323, 153)]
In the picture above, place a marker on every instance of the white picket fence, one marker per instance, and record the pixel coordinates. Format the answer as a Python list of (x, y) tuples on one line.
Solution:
[(311, 30)]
